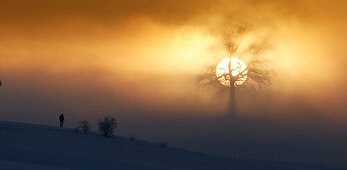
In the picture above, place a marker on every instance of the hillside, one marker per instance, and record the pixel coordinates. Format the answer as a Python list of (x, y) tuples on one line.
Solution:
[(30, 146)]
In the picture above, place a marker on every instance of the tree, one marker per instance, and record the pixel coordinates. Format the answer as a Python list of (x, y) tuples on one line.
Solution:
[(107, 126), (253, 75), (84, 125)]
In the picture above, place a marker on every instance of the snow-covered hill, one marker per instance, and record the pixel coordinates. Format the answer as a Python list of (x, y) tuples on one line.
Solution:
[(29, 146)]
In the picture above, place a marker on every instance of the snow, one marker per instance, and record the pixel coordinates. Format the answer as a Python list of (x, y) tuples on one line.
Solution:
[(30, 146)]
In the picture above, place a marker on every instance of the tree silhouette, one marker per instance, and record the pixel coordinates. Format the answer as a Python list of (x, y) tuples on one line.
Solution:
[(254, 76), (84, 125), (107, 126)]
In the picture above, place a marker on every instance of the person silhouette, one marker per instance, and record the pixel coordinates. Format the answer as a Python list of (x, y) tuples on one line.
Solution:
[(61, 119)]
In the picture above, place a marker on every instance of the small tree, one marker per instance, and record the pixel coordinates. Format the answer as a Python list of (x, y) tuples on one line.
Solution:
[(107, 126), (84, 125)]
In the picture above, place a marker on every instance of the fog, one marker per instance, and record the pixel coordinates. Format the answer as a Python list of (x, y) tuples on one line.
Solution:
[(138, 61)]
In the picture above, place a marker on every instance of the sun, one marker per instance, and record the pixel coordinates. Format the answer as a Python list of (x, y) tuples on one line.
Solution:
[(237, 68)]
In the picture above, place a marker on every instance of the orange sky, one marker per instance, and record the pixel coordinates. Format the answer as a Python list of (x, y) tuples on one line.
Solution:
[(147, 53)]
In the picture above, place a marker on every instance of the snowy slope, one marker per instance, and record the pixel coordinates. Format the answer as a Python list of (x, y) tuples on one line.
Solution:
[(29, 146)]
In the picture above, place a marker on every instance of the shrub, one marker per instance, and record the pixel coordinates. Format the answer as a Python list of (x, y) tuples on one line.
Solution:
[(84, 125), (107, 126)]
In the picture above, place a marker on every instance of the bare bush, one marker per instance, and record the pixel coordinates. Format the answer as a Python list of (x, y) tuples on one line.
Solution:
[(107, 126), (84, 125)]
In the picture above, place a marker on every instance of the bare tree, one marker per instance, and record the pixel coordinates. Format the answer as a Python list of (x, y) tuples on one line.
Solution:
[(254, 75), (107, 126)]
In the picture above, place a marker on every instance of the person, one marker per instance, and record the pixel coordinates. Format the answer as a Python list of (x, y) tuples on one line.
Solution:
[(61, 119)]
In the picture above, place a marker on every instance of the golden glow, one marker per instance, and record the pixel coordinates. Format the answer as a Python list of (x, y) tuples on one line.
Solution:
[(237, 67), (150, 54)]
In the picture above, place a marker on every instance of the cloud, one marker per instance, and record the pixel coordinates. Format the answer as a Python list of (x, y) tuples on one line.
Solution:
[(138, 59), (173, 40)]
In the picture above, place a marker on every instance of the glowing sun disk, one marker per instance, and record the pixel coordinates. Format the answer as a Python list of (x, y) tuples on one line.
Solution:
[(237, 68)]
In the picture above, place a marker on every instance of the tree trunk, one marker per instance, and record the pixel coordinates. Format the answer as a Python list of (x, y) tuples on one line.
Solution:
[(232, 91), (232, 100)]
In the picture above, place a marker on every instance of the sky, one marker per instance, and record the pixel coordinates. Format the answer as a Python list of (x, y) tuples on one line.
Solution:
[(138, 60)]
